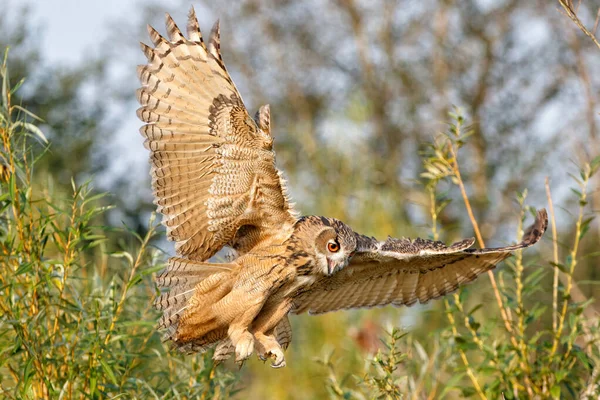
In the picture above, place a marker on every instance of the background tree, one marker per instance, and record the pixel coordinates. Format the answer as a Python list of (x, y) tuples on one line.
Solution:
[(358, 92)]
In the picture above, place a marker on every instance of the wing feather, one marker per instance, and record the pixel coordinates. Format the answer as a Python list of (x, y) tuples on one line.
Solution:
[(213, 168), (404, 271)]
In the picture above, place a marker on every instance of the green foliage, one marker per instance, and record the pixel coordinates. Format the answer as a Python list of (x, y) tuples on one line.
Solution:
[(381, 377), (76, 317), (77, 320), (519, 348), (383, 380), (75, 303)]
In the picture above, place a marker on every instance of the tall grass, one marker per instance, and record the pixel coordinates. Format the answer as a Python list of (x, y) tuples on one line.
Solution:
[(76, 318)]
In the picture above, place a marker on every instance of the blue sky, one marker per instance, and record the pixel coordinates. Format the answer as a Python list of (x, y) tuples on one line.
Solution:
[(72, 31), (87, 22)]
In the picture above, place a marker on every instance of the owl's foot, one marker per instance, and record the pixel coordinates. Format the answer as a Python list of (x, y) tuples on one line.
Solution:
[(268, 347), (244, 345)]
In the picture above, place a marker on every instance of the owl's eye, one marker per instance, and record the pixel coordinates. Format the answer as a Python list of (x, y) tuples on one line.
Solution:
[(333, 247)]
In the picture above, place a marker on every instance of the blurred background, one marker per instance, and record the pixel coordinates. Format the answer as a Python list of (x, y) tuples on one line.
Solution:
[(356, 88)]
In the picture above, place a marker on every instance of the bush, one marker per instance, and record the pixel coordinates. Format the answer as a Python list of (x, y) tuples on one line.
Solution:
[(520, 348), (76, 308)]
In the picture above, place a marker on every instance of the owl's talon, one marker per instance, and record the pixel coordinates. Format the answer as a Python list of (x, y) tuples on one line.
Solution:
[(276, 354), (244, 347), (279, 361), (268, 347)]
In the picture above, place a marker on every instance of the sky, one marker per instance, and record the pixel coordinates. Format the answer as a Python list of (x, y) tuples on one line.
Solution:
[(72, 31), (87, 21)]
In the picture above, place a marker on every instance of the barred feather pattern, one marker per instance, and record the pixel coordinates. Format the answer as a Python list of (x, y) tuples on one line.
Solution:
[(283, 332), (405, 271), (185, 279), (213, 167)]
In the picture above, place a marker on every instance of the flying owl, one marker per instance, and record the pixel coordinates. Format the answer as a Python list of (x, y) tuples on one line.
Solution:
[(215, 181)]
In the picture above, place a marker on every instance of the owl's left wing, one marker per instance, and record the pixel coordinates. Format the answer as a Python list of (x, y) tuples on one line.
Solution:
[(404, 271)]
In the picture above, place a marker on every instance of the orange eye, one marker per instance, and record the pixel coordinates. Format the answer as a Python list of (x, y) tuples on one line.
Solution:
[(333, 247)]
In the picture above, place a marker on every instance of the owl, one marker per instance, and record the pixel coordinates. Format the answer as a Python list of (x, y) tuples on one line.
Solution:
[(215, 182)]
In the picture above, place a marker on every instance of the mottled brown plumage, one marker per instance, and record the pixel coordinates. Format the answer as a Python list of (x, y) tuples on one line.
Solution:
[(215, 181)]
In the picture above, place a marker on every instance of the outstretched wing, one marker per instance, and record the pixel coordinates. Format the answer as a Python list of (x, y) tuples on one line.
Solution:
[(402, 271), (213, 167)]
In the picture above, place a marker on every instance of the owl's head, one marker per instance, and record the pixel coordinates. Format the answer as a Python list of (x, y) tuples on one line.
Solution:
[(334, 243)]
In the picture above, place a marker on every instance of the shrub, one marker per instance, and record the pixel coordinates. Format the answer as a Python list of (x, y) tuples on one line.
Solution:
[(76, 297), (521, 347)]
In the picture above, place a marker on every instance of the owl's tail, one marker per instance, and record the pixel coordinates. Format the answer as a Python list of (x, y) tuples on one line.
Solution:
[(194, 286)]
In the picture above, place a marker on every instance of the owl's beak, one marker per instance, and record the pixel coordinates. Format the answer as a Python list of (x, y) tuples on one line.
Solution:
[(330, 266)]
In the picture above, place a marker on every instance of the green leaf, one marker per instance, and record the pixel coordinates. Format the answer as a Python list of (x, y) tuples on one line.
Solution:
[(24, 268), (93, 382), (4, 73), (452, 383), (588, 282), (577, 193), (91, 199), (12, 187), (477, 307), (151, 270), (561, 267), (123, 254), (468, 391), (109, 372), (32, 115), (31, 128), (585, 226), (441, 205), (594, 164)]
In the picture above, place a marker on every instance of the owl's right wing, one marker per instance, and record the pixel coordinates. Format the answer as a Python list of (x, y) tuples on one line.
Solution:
[(213, 167), (404, 271)]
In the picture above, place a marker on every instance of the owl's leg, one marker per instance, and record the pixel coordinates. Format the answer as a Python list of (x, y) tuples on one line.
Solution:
[(238, 332), (264, 330), (272, 343)]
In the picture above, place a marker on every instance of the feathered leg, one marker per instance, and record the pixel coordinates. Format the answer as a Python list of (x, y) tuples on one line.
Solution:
[(241, 338), (191, 284), (265, 332), (282, 332)]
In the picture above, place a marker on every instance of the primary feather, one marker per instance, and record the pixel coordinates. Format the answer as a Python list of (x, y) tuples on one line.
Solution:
[(213, 168)]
